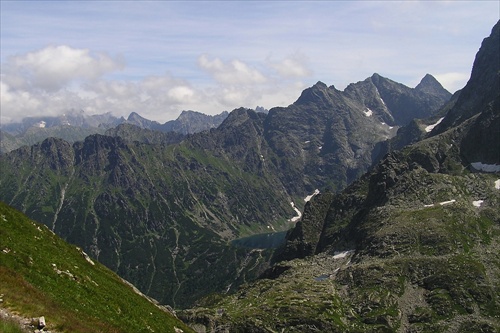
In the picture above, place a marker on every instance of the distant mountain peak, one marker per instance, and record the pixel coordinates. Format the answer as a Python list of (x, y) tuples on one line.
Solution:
[(431, 85), (376, 78), (316, 93), (320, 84), (135, 116)]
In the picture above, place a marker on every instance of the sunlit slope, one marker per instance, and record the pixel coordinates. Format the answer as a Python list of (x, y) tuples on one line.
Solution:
[(40, 274)]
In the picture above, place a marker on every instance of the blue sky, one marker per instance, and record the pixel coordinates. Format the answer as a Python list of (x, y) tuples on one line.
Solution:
[(161, 57)]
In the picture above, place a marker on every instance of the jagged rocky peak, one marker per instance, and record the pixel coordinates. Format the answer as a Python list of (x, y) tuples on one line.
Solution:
[(189, 114), (190, 122), (137, 119), (134, 116), (97, 146), (429, 84), (375, 78), (240, 116), (319, 93), (483, 85)]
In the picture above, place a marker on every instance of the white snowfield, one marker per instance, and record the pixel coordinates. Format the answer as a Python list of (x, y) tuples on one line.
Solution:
[(368, 112), (299, 214), (441, 203), (477, 203), (309, 197), (431, 127), (497, 184), (338, 255), (447, 202), (486, 167)]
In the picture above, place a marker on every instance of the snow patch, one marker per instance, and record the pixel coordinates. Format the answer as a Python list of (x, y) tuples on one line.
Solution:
[(477, 203), (431, 127), (431, 205), (497, 184), (320, 147), (382, 100), (309, 197), (41, 124), (339, 255), (447, 202), (368, 112), (299, 214), (307, 141), (486, 167)]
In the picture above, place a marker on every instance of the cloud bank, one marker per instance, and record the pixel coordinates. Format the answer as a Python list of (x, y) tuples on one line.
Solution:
[(55, 79), (161, 57)]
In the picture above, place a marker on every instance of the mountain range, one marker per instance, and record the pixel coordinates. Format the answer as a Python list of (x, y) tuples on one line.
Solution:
[(143, 207), (405, 241), (411, 246), (77, 125)]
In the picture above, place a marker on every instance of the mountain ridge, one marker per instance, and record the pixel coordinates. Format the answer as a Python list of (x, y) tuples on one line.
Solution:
[(411, 246), (213, 186)]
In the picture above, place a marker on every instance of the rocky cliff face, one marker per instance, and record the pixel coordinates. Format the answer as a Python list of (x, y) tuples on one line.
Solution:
[(482, 87), (409, 247), (328, 138)]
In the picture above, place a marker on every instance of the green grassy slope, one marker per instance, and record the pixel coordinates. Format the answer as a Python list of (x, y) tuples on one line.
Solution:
[(40, 274)]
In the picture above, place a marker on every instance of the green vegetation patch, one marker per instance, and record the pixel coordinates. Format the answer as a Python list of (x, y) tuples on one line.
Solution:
[(43, 275)]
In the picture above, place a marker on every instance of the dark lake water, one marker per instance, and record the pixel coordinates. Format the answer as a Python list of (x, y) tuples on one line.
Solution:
[(270, 240)]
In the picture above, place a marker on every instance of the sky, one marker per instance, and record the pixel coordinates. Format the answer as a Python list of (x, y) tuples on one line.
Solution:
[(158, 58)]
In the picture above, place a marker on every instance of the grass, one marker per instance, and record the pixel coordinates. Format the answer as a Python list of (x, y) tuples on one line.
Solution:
[(43, 275), (10, 326)]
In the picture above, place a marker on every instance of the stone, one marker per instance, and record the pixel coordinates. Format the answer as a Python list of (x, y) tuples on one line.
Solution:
[(40, 322)]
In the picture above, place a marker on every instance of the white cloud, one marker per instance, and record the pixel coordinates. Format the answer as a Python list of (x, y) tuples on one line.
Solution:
[(233, 72), (53, 67), (34, 86), (52, 80), (292, 66), (181, 94)]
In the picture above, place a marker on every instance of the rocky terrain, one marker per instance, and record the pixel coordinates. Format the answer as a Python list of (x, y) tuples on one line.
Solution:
[(412, 246)]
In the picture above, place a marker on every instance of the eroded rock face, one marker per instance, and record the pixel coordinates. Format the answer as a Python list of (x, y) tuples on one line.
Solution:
[(482, 87), (412, 246)]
